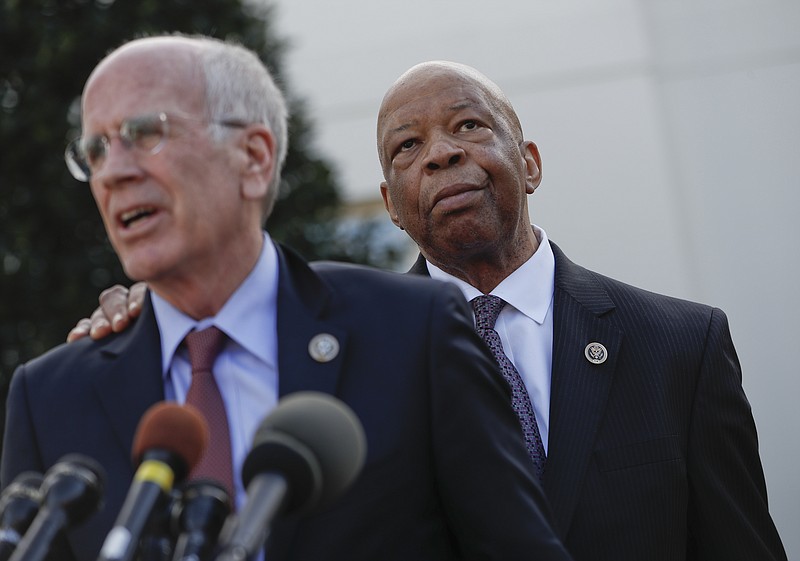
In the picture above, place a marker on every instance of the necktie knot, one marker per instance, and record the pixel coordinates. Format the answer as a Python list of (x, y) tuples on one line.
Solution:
[(204, 346), (487, 308)]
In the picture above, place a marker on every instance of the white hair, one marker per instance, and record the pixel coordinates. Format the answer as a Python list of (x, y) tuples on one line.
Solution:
[(240, 87)]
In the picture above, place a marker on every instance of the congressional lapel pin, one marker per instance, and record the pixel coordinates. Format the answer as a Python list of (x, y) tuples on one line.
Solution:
[(323, 347), (595, 353)]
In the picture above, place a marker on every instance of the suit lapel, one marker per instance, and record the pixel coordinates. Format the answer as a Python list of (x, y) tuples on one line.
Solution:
[(304, 299), (579, 388), (130, 380)]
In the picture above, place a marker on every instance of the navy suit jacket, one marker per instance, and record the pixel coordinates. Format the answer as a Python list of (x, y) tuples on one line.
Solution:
[(435, 413), (652, 454)]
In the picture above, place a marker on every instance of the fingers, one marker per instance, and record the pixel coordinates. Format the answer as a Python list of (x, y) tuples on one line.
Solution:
[(100, 326), (118, 306), (112, 315), (136, 299), (80, 330)]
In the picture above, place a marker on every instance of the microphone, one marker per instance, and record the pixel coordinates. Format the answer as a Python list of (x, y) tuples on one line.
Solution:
[(157, 540), (198, 518), (19, 504), (305, 454), (71, 491), (169, 441)]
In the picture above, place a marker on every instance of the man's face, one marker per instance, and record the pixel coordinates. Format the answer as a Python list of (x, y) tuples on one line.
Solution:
[(169, 214), (457, 171)]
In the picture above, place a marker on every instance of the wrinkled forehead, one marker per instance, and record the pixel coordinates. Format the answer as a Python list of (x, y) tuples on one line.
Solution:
[(434, 86)]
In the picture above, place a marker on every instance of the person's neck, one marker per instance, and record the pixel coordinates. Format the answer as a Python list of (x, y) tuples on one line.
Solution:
[(486, 268), (204, 291)]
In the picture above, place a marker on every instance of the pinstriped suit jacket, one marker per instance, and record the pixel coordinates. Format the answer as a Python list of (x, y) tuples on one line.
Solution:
[(653, 454)]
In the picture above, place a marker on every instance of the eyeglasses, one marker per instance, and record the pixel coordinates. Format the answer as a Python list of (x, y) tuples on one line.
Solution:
[(147, 133)]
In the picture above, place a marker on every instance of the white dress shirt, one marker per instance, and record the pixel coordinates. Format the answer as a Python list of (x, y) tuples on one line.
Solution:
[(246, 369), (525, 324)]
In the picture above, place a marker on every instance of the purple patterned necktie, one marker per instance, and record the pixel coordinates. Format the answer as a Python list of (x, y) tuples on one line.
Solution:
[(487, 307), (216, 463)]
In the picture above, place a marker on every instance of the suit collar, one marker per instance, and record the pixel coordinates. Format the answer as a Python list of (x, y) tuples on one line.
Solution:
[(420, 267), (129, 379), (305, 302), (581, 284), (579, 388)]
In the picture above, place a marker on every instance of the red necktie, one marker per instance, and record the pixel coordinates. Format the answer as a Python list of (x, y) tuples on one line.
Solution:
[(216, 463)]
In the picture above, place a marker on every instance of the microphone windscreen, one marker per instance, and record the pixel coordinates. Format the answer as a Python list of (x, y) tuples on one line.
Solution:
[(28, 480), (76, 484), (326, 427), (20, 501), (26, 484), (168, 426)]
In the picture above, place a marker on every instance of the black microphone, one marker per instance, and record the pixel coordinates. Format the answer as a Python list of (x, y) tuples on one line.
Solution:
[(158, 539), (71, 491), (197, 519), (305, 454), (169, 441), (19, 504)]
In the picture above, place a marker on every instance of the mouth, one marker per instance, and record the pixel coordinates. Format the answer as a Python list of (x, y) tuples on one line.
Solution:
[(454, 196), (130, 217)]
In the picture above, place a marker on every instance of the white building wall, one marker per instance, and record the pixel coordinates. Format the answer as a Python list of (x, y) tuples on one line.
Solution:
[(669, 132)]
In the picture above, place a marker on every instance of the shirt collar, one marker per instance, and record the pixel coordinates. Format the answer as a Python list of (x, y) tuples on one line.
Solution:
[(529, 289), (242, 317)]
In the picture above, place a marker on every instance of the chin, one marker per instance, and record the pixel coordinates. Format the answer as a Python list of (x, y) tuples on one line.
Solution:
[(138, 269)]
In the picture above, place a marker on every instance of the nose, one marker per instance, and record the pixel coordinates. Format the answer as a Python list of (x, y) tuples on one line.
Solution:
[(118, 165), (443, 153)]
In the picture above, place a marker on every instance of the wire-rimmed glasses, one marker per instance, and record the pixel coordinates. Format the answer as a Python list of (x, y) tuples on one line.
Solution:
[(146, 133)]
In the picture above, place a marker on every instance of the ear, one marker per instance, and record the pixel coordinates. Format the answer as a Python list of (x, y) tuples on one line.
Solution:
[(533, 163), (259, 148), (387, 202)]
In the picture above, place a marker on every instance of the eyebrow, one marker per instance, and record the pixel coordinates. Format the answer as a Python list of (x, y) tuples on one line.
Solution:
[(401, 128), (451, 109), (460, 106)]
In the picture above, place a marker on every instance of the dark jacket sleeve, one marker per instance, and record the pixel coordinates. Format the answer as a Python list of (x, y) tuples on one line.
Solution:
[(20, 451), (728, 515)]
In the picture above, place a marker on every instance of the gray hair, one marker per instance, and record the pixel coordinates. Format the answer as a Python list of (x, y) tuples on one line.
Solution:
[(239, 86)]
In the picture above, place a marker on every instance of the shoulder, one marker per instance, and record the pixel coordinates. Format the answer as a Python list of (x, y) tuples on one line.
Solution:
[(411, 302), (55, 363), (628, 302), (68, 367), (368, 280), (359, 281)]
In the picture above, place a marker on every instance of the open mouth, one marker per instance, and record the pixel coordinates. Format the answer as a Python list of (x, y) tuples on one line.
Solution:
[(136, 214)]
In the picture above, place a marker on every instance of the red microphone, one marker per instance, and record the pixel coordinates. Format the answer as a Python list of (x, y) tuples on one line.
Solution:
[(169, 441)]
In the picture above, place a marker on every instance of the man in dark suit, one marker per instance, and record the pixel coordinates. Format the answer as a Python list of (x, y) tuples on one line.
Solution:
[(183, 144), (651, 446), (651, 449)]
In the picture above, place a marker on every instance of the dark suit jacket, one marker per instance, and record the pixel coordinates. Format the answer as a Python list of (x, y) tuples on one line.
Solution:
[(435, 413), (652, 454)]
